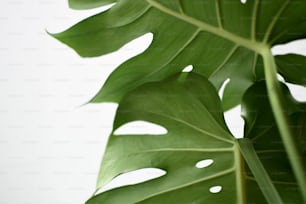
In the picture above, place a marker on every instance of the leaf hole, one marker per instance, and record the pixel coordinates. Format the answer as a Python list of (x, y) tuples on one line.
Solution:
[(135, 47), (293, 47), (204, 163), (140, 128), (215, 189), (133, 177), (189, 68), (298, 92), (222, 88), (234, 121), (243, 1), (280, 78)]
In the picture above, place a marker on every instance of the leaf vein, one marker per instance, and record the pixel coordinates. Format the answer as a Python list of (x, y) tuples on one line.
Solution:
[(189, 150), (273, 181), (194, 127), (220, 174), (230, 54), (254, 18), (188, 42), (270, 151), (274, 20), (254, 65), (180, 6), (218, 13), (257, 46), (262, 133)]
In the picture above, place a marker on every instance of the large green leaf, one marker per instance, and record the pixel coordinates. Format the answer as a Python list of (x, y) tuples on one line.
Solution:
[(261, 129), (221, 39), (189, 108)]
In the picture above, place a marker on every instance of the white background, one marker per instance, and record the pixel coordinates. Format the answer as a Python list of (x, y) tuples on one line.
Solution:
[(51, 145)]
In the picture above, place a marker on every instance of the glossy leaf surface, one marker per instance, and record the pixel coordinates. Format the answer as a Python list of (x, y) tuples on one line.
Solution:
[(222, 39), (189, 108)]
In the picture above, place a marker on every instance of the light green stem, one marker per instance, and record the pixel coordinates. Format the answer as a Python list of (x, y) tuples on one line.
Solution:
[(240, 176), (282, 119), (259, 172)]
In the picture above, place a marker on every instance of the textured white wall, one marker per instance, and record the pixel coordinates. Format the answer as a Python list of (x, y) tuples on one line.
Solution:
[(50, 145)]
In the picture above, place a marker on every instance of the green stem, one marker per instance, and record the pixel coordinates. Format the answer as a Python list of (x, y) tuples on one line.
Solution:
[(259, 172), (203, 26), (282, 119), (240, 176)]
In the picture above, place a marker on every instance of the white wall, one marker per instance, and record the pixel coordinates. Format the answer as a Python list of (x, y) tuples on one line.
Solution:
[(50, 145)]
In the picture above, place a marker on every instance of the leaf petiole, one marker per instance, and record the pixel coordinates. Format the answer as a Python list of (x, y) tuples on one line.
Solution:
[(259, 172), (282, 119)]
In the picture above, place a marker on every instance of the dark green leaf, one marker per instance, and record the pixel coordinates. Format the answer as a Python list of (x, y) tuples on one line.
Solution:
[(106, 32), (260, 128), (259, 172), (221, 39)]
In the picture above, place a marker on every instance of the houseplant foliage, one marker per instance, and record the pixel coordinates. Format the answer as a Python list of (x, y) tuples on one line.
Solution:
[(221, 39)]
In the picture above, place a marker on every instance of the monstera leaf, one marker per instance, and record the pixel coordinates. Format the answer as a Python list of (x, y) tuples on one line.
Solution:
[(221, 39), (189, 108), (261, 129)]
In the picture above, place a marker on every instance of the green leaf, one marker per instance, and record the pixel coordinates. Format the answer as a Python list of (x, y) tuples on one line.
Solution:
[(261, 129), (293, 68), (189, 108), (222, 39), (105, 32), (260, 174), (88, 4)]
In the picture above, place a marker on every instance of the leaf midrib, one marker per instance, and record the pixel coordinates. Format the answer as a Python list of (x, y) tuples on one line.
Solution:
[(188, 150), (248, 43), (273, 181)]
